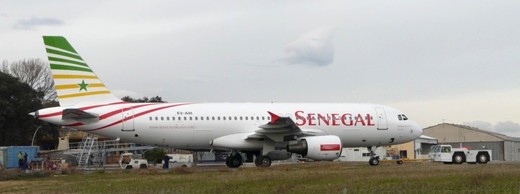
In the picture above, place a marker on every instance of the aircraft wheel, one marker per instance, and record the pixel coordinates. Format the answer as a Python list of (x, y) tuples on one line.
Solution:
[(258, 161), (374, 161), (263, 161), (234, 161)]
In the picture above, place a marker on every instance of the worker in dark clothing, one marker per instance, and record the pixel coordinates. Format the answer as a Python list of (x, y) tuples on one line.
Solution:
[(166, 160)]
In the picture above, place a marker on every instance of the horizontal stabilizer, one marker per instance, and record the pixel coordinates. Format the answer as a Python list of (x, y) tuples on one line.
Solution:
[(79, 115)]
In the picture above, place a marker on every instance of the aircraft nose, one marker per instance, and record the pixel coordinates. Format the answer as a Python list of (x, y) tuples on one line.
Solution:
[(417, 130)]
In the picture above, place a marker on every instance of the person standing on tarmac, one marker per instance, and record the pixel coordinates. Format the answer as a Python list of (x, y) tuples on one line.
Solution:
[(20, 160), (166, 160)]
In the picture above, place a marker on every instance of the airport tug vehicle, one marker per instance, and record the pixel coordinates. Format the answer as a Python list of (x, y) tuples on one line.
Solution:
[(450, 155)]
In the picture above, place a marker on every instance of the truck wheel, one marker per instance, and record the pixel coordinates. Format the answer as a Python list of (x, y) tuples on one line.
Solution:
[(482, 158), (143, 166), (458, 158), (128, 167)]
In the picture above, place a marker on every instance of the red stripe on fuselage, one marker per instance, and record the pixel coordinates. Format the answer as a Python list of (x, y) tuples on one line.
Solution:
[(119, 111), (135, 116)]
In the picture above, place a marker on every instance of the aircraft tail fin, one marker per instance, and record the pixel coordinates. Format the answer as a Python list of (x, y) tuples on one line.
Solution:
[(74, 80)]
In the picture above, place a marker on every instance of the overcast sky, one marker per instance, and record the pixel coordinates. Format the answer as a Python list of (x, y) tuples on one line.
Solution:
[(451, 61)]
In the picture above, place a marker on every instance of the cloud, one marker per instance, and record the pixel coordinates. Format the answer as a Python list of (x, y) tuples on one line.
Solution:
[(504, 127), (507, 127), (480, 124), (314, 48), (33, 22)]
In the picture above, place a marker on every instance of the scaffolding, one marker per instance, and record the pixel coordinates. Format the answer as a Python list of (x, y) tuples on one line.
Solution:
[(91, 153)]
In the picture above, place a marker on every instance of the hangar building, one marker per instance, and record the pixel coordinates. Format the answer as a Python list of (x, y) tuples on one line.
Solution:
[(503, 147)]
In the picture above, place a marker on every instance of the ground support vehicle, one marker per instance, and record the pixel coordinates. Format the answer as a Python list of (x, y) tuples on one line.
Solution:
[(450, 155)]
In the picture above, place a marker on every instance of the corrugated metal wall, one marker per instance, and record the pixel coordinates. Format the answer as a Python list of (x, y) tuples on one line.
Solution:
[(512, 150)]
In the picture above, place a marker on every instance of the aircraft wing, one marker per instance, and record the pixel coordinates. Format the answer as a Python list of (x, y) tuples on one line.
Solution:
[(278, 129)]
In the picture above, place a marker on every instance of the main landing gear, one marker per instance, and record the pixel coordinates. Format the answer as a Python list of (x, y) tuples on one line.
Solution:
[(262, 161), (374, 160), (234, 160)]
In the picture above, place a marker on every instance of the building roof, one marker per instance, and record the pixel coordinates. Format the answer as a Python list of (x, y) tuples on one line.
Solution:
[(497, 135)]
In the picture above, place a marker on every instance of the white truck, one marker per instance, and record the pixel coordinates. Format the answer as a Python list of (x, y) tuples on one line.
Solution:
[(450, 155), (131, 161), (179, 160)]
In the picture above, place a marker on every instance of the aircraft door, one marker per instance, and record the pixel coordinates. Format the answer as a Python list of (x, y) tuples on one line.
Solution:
[(382, 121), (128, 119)]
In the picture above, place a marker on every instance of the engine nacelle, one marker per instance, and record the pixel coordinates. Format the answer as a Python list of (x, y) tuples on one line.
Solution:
[(327, 147)]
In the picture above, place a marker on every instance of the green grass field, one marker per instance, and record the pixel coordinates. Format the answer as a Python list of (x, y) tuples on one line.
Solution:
[(322, 177)]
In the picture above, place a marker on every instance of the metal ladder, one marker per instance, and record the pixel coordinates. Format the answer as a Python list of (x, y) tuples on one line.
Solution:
[(88, 142)]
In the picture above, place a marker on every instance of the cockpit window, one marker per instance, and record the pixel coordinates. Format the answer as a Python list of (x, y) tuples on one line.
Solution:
[(400, 118), (405, 118)]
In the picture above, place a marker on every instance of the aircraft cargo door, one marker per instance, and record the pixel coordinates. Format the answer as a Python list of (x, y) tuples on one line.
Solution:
[(382, 122), (128, 119)]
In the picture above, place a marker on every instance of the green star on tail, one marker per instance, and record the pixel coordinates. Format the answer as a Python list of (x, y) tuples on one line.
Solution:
[(83, 85)]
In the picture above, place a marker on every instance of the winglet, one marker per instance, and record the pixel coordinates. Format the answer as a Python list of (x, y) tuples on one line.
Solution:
[(274, 117)]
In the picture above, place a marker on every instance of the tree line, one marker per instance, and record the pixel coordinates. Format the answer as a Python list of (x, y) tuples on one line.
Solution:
[(26, 86)]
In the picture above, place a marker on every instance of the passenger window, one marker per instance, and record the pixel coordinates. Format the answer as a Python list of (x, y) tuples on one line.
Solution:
[(151, 118), (246, 118), (201, 118), (173, 118), (184, 118), (167, 118), (218, 118), (252, 118), (400, 118), (212, 118), (230, 118), (207, 118), (156, 118), (179, 118), (224, 118), (241, 118), (257, 118), (196, 118)]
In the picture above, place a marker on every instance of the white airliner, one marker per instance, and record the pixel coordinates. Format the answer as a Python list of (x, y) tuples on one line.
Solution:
[(270, 131)]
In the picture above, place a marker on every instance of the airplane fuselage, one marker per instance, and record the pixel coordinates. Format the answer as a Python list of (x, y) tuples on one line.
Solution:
[(193, 125)]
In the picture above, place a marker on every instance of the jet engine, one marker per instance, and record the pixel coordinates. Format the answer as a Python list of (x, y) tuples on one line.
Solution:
[(327, 147)]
